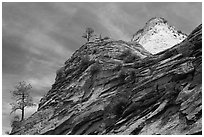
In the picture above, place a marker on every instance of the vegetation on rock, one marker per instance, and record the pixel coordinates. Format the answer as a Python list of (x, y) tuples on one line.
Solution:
[(22, 98), (88, 34), (106, 89)]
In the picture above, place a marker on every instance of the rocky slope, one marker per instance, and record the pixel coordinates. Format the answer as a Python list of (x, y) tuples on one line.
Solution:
[(158, 35), (117, 87)]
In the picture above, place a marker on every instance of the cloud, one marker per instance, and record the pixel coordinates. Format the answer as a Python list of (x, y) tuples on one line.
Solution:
[(40, 43), (113, 19), (42, 82), (39, 37), (13, 56)]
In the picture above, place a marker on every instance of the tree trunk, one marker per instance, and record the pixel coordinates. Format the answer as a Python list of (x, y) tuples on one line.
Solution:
[(22, 115), (23, 107)]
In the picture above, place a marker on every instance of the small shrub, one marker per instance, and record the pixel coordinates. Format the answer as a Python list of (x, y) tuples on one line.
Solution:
[(15, 122), (132, 75), (165, 21), (170, 53), (130, 59), (105, 38), (60, 72), (7, 132), (119, 104), (137, 64), (125, 53), (87, 87), (94, 51), (85, 62), (117, 68), (148, 61), (167, 54), (120, 107), (138, 32), (122, 75), (95, 69), (179, 31)]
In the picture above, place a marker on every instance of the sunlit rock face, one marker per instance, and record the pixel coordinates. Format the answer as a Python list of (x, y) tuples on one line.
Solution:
[(158, 36), (119, 88)]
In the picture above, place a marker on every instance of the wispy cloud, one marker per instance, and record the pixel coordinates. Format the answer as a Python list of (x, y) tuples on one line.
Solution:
[(41, 43), (42, 82), (113, 19), (39, 37)]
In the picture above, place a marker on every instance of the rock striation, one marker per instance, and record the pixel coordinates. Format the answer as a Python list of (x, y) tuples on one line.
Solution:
[(119, 88), (158, 35)]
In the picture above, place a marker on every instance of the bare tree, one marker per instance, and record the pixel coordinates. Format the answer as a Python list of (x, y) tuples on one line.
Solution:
[(22, 98), (88, 34)]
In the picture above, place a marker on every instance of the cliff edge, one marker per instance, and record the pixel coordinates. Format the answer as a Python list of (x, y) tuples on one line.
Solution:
[(120, 88)]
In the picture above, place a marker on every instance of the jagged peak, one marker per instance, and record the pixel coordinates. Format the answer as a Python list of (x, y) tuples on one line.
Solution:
[(148, 26), (157, 35), (98, 96), (156, 20)]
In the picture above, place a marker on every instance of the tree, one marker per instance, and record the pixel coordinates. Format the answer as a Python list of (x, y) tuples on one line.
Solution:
[(95, 69), (22, 98), (88, 34)]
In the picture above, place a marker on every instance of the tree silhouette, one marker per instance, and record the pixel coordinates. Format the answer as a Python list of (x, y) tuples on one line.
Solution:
[(88, 34), (22, 98)]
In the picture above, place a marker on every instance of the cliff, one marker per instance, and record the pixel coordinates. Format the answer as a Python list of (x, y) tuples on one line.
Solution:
[(117, 87), (157, 35)]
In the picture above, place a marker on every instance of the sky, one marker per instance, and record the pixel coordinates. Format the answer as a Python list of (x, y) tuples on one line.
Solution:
[(37, 38)]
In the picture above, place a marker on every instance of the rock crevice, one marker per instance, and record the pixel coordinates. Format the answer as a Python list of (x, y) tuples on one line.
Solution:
[(118, 87)]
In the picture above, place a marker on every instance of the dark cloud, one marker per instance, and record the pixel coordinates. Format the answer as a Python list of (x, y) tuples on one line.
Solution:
[(14, 57)]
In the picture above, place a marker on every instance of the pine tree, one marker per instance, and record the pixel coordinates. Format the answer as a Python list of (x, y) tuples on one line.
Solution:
[(22, 98), (88, 34)]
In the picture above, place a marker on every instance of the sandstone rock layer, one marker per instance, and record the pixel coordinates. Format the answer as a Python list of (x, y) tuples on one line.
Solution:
[(158, 35), (119, 88)]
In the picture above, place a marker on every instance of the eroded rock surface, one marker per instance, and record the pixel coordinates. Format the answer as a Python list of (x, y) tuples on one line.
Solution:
[(158, 35), (116, 87)]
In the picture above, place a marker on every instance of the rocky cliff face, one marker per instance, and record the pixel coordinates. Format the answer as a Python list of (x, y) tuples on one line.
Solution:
[(158, 35), (117, 87)]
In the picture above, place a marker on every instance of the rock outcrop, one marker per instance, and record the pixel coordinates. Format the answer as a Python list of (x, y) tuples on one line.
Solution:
[(158, 35), (115, 87)]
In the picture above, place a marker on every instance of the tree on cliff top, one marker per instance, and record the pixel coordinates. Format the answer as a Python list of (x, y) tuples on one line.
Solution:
[(88, 34), (22, 98)]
